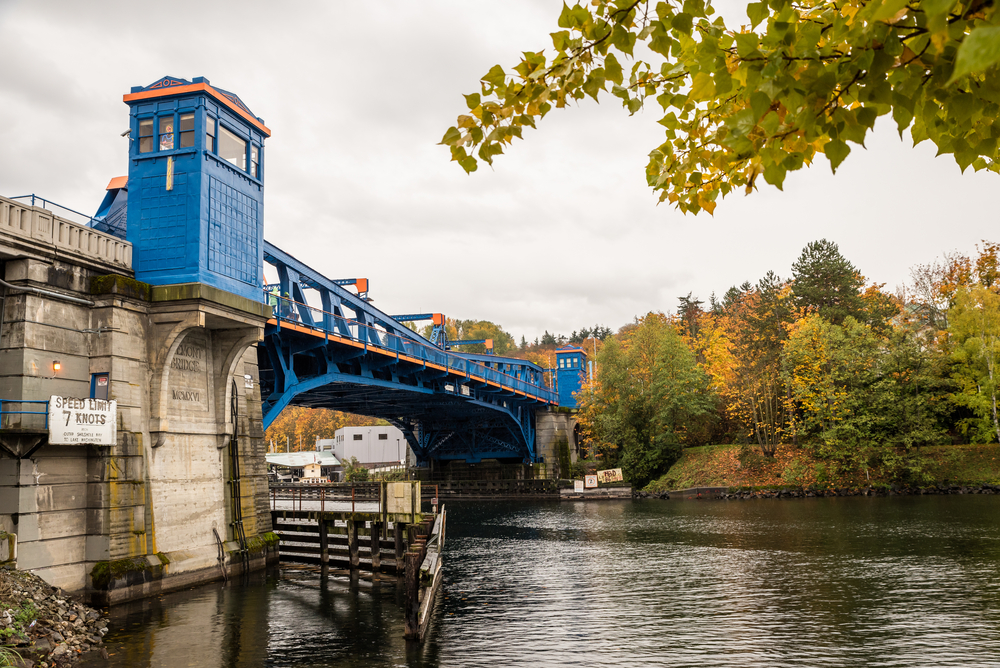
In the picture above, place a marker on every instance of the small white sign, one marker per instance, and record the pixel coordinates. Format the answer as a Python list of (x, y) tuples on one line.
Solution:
[(577, 485), (75, 421), (590, 481)]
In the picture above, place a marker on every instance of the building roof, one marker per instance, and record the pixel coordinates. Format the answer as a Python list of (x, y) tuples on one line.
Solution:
[(297, 459), (170, 86)]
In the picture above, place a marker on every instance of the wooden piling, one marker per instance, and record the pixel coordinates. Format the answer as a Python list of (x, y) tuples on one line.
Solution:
[(352, 543), (324, 544), (376, 546), (398, 530), (411, 608)]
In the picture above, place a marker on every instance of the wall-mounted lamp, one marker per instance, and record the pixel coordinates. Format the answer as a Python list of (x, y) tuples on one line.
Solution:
[(56, 365)]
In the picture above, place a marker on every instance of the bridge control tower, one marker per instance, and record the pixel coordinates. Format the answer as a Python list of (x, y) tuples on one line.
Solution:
[(196, 186), (571, 364)]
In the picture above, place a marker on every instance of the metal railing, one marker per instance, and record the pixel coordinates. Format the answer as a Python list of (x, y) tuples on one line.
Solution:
[(337, 495), (304, 315), (48, 204), (6, 412)]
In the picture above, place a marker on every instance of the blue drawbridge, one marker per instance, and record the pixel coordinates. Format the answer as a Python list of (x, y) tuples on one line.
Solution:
[(327, 347)]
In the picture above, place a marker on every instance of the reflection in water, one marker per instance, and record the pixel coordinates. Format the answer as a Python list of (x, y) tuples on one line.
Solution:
[(814, 582)]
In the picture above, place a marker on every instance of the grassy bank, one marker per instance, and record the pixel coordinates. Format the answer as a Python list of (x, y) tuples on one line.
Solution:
[(728, 465)]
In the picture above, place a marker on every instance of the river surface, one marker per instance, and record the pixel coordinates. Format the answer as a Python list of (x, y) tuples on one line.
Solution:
[(903, 581)]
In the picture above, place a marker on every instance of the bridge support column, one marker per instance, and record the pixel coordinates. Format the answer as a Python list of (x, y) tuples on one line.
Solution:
[(555, 440)]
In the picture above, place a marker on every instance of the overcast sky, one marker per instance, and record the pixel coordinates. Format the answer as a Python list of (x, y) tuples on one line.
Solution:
[(561, 233)]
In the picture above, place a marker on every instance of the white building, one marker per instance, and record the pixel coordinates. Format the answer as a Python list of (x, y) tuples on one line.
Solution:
[(295, 466), (373, 446)]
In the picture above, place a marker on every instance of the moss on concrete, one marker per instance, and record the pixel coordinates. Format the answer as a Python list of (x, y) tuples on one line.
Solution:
[(105, 571), (186, 291), (116, 284), (262, 542)]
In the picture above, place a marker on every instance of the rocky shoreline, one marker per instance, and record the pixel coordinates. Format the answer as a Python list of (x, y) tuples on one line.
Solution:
[(44, 626), (802, 493)]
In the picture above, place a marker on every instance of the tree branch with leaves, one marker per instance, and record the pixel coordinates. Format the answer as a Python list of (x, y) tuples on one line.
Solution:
[(737, 104)]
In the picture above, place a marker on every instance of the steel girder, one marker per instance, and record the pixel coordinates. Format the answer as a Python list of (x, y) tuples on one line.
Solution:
[(350, 356)]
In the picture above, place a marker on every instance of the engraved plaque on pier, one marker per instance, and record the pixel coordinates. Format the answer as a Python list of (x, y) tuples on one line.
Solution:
[(187, 384)]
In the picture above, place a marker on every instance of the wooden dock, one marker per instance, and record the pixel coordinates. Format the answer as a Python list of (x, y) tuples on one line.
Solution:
[(376, 528)]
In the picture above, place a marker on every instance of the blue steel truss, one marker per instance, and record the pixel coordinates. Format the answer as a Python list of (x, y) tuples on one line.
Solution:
[(347, 355)]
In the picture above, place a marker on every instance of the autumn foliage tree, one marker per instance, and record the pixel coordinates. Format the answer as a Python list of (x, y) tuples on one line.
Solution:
[(975, 326), (648, 389), (298, 427)]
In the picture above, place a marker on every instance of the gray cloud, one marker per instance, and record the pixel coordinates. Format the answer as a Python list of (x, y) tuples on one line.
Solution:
[(561, 233)]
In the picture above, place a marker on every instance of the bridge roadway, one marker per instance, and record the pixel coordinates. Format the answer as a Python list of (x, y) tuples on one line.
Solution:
[(348, 355)]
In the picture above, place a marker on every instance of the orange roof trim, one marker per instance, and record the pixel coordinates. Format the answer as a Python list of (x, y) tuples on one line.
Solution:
[(117, 182), (197, 88)]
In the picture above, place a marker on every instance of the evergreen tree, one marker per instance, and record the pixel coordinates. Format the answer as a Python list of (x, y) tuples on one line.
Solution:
[(826, 281)]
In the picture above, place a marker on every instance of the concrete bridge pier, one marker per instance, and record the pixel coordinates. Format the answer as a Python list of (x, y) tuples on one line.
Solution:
[(555, 440), (181, 496)]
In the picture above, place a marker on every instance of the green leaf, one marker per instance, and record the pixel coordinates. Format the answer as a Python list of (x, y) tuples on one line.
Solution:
[(560, 40), (760, 103), (775, 175), (565, 17), (903, 117), (472, 100), (757, 12), (867, 116), (451, 137), (682, 22), (612, 69), (889, 9), (980, 50), (935, 8), (496, 76), (746, 44), (836, 151), (469, 164), (702, 86)]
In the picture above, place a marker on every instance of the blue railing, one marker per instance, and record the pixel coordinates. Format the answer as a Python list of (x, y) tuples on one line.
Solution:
[(5, 411), (287, 310)]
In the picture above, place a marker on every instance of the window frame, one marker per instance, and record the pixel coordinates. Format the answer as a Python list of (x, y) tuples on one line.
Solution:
[(246, 143), (151, 136)]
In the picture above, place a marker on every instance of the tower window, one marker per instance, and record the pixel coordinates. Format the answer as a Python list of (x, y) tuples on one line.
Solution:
[(166, 133), (232, 149), (210, 134), (187, 130), (254, 162), (146, 135)]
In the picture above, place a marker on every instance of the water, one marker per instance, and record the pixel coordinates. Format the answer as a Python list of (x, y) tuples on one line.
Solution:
[(813, 582)]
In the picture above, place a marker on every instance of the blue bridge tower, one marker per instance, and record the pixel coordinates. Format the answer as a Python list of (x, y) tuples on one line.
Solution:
[(571, 364), (196, 186)]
